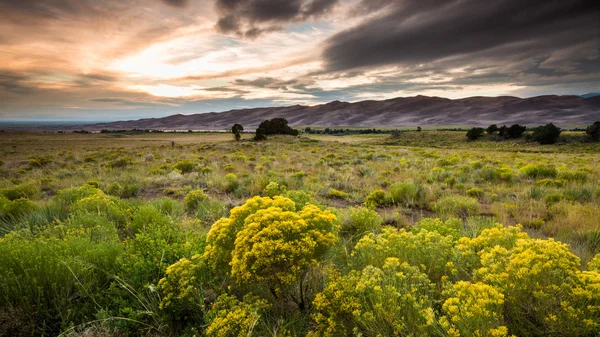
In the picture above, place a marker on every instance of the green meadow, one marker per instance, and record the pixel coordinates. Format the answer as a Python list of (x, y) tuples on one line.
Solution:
[(417, 234)]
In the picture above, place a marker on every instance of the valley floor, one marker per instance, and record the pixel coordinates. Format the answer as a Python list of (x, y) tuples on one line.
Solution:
[(129, 234)]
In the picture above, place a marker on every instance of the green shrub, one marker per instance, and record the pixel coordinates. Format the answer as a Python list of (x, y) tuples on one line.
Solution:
[(300, 198), (168, 206), (231, 182), (119, 163), (273, 189), (148, 216), (39, 162), (56, 283), (100, 203), (456, 206), (580, 194), (12, 210), (336, 194), (550, 183), (123, 190), (184, 166), (475, 192), (408, 194), (360, 220), (375, 199), (580, 176), (193, 199), (538, 171), (450, 227), (27, 191)]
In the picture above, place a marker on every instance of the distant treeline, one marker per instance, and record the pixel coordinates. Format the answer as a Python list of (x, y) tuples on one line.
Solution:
[(342, 131)]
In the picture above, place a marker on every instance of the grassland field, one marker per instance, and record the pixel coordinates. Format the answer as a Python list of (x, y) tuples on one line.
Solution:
[(120, 235)]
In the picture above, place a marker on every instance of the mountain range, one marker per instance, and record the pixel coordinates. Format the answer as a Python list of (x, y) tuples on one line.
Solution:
[(396, 112)]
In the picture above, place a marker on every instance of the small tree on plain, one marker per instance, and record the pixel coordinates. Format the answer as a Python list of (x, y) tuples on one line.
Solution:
[(547, 134), (475, 133), (237, 129)]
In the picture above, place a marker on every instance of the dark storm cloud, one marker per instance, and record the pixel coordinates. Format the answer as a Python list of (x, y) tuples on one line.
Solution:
[(414, 31), (251, 18), (13, 83), (273, 83)]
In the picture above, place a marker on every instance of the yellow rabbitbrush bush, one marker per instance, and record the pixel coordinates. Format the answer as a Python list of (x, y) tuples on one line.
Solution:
[(230, 317), (430, 251), (543, 287), (276, 246), (266, 240), (221, 237), (389, 301), (473, 309)]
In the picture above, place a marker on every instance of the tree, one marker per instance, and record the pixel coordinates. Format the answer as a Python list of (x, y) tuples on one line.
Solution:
[(237, 129), (261, 134), (547, 134), (593, 131), (277, 126), (491, 129), (502, 131), (475, 133), (515, 131), (419, 129)]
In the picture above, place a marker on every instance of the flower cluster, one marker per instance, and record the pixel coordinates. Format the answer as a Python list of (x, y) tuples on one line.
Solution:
[(230, 317), (473, 309)]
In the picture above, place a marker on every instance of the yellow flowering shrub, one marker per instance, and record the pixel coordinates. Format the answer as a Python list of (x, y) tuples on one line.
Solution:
[(470, 250), (432, 252), (230, 317), (594, 264), (194, 199), (391, 301), (221, 237), (473, 309), (537, 278), (276, 245), (180, 288), (273, 189)]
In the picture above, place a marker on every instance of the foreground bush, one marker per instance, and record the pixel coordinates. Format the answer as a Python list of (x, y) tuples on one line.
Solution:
[(392, 301)]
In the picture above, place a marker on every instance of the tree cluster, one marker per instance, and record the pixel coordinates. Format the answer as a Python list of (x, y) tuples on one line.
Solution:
[(275, 126), (593, 131), (547, 134)]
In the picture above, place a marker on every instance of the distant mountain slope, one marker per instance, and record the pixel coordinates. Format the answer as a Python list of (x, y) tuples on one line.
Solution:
[(405, 111), (591, 94)]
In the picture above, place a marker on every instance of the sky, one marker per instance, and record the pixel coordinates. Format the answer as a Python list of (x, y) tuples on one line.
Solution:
[(102, 60)]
